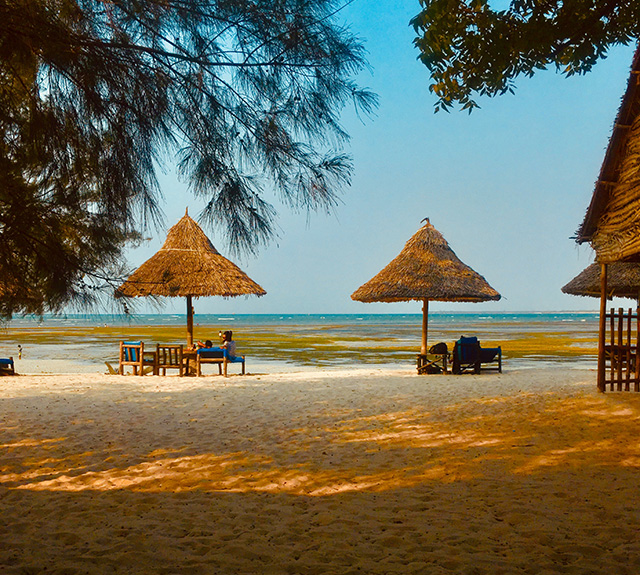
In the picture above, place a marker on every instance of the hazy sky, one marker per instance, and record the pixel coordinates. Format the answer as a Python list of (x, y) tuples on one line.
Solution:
[(507, 186)]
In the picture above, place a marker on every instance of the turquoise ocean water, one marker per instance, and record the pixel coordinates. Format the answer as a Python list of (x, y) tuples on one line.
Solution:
[(519, 320), (308, 340)]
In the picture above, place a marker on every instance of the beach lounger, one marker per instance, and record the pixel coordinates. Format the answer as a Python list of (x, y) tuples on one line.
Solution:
[(169, 357), (220, 357), (132, 353), (491, 355), (468, 355), (7, 367)]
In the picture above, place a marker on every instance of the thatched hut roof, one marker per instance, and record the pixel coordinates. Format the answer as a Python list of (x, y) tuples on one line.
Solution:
[(612, 222), (427, 268), (623, 280), (188, 265)]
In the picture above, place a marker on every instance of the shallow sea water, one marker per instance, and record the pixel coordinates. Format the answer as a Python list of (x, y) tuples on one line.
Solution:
[(82, 343)]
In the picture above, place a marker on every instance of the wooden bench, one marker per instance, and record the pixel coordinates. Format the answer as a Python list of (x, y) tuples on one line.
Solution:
[(216, 357)]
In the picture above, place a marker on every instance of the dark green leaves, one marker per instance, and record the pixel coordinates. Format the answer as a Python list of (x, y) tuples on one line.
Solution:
[(471, 48)]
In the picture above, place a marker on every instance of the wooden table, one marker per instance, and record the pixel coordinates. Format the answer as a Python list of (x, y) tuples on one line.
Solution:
[(189, 357)]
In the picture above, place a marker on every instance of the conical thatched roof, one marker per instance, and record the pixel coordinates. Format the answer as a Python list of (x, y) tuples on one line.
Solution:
[(188, 265), (612, 221), (623, 280), (427, 268)]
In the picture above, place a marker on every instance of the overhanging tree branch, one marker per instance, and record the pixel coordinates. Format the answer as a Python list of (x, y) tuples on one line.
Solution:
[(470, 48), (116, 86)]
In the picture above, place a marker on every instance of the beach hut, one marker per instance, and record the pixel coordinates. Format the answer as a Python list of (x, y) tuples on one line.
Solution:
[(612, 227), (187, 265), (623, 280), (612, 221), (426, 270)]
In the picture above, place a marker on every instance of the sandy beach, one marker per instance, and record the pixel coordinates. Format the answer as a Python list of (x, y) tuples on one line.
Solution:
[(328, 471)]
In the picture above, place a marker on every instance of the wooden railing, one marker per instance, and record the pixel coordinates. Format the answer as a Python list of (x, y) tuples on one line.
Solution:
[(621, 351)]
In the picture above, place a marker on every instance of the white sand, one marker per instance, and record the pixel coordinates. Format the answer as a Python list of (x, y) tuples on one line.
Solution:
[(361, 471)]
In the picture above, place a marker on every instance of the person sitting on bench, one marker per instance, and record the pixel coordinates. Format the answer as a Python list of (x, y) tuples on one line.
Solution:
[(227, 347)]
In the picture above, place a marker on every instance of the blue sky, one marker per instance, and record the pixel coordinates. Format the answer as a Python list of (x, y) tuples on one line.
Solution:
[(507, 186)]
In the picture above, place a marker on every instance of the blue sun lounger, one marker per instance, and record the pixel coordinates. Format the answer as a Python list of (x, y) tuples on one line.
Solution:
[(468, 355), (7, 367)]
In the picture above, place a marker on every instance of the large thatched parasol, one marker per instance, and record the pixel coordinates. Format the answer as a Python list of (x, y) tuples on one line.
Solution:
[(623, 280), (426, 269), (187, 265)]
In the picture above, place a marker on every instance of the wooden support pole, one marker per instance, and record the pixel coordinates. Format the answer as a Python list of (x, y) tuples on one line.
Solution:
[(189, 322), (619, 351), (612, 349), (602, 325), (636, 384), (425, 326), (627, 350)]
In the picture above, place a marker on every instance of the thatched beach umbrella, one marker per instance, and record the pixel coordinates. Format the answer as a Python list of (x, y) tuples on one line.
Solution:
[(623, 280), (426, 269), (187, 265)]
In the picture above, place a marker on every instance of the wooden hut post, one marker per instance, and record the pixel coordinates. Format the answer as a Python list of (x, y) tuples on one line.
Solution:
[(189, 322), (603, 323), (425, 325)]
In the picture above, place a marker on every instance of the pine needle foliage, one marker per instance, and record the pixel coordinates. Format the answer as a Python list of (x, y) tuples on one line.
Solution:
[(96, 95)]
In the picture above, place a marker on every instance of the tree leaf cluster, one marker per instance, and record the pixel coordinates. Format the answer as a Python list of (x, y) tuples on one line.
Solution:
[(473, 47)]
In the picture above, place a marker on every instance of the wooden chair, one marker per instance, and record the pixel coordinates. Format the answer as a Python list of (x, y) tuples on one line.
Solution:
[(132, 353), (169, 357), (218, 357), (7, 367), (436, 361), (110, 369), (468, 355)]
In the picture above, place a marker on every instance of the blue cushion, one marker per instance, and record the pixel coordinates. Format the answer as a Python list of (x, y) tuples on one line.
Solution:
[(130, 354), (488, 354), (209, 353), (468, 349), (6, 362)]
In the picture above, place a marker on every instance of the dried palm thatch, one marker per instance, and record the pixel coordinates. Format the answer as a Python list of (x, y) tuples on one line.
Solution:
[(426, 269), (623, 280), (187, 265), (612, 222)]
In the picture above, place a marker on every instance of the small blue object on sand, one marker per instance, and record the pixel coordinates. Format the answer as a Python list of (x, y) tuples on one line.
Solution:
[(6, 366)]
